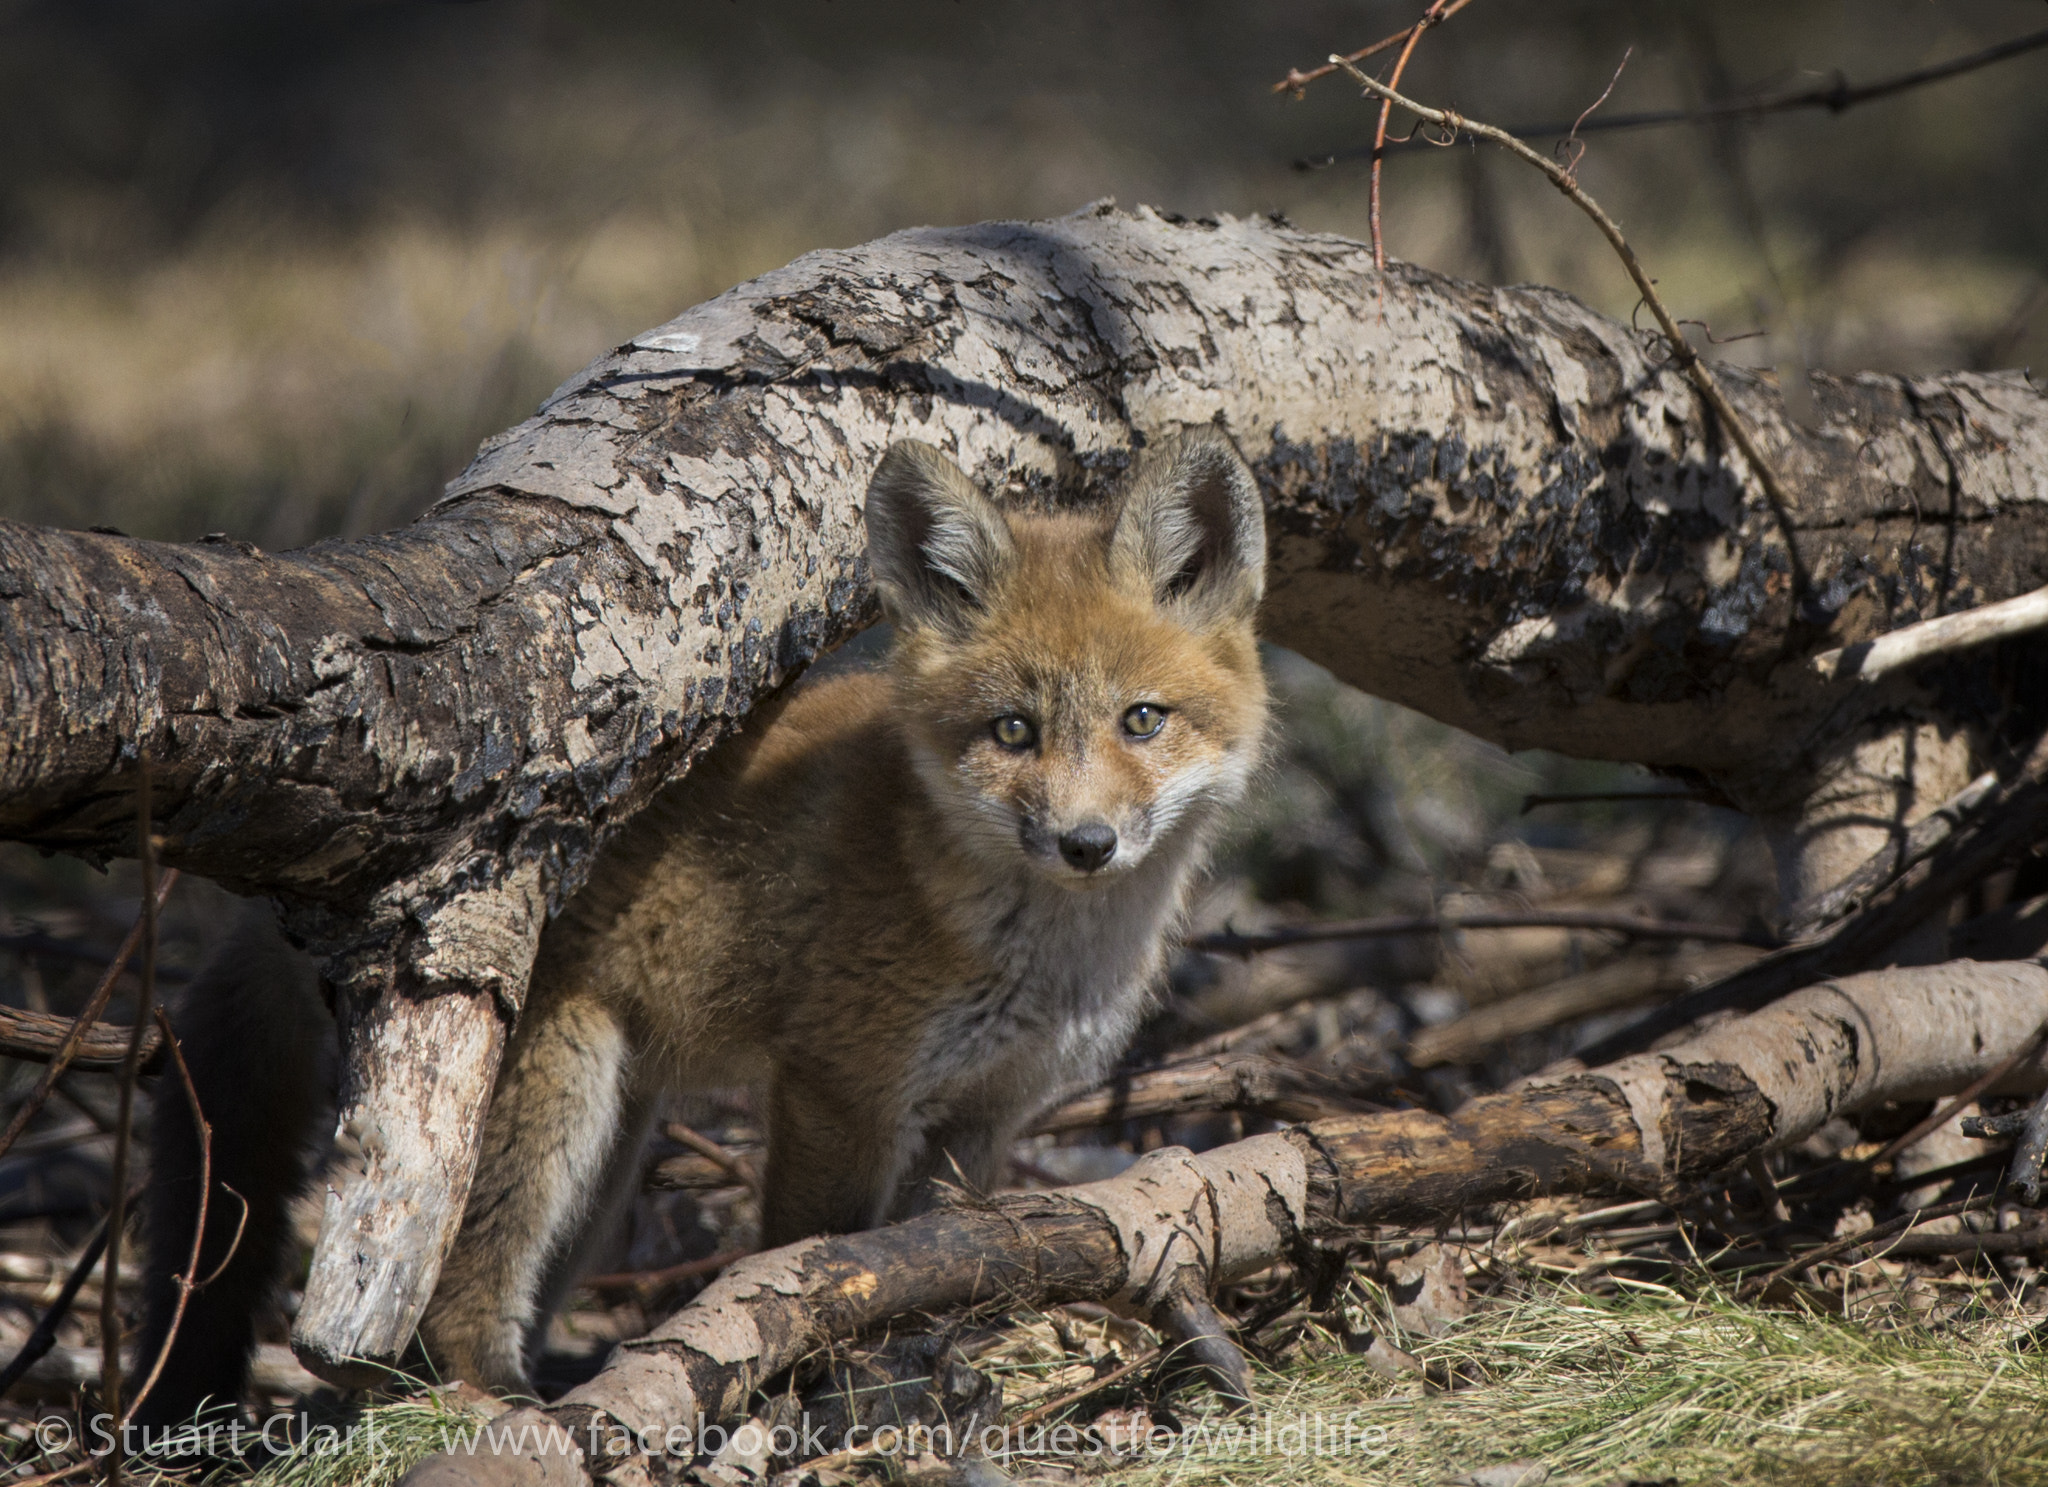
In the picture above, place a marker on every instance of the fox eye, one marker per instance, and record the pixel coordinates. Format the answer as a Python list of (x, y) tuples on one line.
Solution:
[(1014, 731), (1144, 720)]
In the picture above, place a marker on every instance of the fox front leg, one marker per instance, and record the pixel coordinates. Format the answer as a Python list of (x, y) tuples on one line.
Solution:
[(565, 1098), (834, 1158)]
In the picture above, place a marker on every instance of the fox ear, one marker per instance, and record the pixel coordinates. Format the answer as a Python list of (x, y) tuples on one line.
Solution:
[(1193, 525), (935, 542)]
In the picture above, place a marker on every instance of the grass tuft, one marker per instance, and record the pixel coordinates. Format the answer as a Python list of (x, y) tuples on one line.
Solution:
[(1655, 1387)]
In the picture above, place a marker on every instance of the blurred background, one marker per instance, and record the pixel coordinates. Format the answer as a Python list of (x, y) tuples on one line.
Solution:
[(276, 269)]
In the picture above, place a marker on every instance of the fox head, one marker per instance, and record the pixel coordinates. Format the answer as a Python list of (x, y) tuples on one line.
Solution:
[(1078, 690)]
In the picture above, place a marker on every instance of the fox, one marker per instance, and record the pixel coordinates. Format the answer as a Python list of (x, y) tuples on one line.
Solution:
[(910, 906)]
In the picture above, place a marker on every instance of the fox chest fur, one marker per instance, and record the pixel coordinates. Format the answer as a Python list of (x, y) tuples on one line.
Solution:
[(910, 906)]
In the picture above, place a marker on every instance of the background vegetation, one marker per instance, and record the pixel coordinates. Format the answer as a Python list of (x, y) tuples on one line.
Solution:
[(276, 269)]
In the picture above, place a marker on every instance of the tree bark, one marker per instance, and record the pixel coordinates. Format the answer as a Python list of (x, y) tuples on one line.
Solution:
[(1492, 505), (1646, 1123)]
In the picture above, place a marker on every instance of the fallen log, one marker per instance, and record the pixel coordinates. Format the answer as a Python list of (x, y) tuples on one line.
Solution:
[(1178, 1223)]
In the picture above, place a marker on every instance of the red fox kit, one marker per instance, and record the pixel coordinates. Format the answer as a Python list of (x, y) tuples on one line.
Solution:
[(910, 906)]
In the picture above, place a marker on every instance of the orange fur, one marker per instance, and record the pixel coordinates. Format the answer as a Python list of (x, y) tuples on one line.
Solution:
[(873, 908)]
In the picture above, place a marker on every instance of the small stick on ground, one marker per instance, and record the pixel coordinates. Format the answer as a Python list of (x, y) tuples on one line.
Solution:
[(738, 1166), (1877, 1233)]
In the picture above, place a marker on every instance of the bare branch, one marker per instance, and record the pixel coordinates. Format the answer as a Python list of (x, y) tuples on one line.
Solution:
[(1837, 97), (1229, 942), (1932, 639)]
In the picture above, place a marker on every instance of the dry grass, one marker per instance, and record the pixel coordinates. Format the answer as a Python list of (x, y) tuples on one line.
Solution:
[(1656, 1386)]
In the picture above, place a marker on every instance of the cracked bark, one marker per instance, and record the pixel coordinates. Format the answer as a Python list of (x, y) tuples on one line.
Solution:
[(1176, 1224), (1492, 505)]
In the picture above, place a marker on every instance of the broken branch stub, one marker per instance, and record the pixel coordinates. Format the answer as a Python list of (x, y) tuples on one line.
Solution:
[(1175, 1218)]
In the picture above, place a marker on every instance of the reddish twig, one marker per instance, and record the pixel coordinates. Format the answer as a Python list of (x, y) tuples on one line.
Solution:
[(86, 1020), (234, 1243), (1835, 98), (124, 1125), (1430, 17), (1688, 360), (186, 1282), (1565, 145), (1296, 80)]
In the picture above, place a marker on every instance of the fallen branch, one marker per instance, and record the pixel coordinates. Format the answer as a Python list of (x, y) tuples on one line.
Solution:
[(1230, 942), (1650, 1122), (1623, 984), (38, 1037), (1277, 1087)]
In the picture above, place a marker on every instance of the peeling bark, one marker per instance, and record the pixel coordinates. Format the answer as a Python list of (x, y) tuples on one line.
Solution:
[(1176, 1224), (1489, 504)]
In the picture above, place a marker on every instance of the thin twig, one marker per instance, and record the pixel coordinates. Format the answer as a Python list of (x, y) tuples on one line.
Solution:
[(1945, 1113), (44, 1337), (234, 1240), (1870, 1236), (1073, 1397), (1430, 17), (1836, 98), (87, 1018), (1588, 797), (124, 1125), (1688, 360), (648, 1280), (1296, 80), (1564, 145), (1229, 942), (738, 1166), (186, 1282)]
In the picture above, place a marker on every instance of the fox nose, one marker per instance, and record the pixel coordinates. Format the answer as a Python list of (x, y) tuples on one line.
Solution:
[(1088, 847)]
